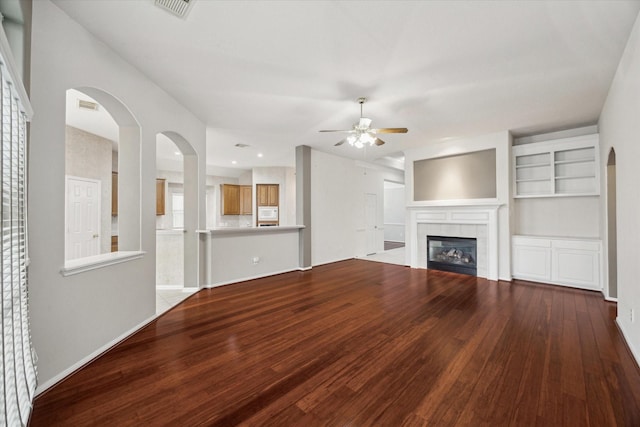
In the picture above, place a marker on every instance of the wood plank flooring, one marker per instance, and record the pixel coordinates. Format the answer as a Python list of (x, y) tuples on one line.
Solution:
[(363, 343)]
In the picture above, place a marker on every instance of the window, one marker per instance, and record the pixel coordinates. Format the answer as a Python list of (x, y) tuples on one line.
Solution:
[(17, 373), (177, 209)]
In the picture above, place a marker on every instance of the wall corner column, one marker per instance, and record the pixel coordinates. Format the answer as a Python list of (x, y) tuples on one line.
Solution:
[(303, 204)]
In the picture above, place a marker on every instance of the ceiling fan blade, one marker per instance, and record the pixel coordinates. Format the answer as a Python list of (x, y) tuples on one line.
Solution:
[(339, 143), (390, 130), (378, 142), (345, 131)]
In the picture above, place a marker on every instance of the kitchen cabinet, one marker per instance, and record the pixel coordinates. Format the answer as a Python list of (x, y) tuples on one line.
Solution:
[(246, 200), (561, 261), (230, 195), (114, 193), (160, 198), (563, 167), (268, 194), (236, 199)]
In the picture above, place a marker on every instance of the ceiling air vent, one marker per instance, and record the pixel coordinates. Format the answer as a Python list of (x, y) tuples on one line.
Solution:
[(87, 105), (240, 145), (177, 7)]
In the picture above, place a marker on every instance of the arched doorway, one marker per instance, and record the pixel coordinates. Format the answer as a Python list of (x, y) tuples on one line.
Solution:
[(176, 223), (612, 245)]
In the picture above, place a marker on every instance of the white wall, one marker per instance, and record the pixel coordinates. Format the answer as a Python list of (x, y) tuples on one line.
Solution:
[(75, 316), (620, 129), (338, 188), (557, 216), (501, 141), (333, 203), (233, 252)]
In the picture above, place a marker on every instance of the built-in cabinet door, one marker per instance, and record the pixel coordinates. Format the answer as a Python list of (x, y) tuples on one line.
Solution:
[(160, 199), (262, 195), (568, 262), (114, 193), (268, 194), (273, 195), (532, 259), (575, 264), (230, 199), (246, 204)]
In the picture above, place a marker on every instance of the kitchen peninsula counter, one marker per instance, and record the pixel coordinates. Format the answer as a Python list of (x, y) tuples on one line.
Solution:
[(219, 231), (235, 254)]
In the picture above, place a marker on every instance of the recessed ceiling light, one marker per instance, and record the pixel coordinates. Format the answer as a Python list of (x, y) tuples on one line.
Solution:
[(259, 154), (177, 153), (233, 162)]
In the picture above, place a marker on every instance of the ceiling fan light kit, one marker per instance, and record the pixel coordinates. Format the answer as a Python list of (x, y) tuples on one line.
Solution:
[(362, 134)]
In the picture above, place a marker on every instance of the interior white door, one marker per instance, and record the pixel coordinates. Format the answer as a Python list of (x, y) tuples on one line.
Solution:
[(370, 214), (83, 218)]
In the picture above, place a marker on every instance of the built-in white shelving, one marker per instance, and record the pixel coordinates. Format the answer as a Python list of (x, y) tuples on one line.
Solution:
[(558, 260), (561, 167)]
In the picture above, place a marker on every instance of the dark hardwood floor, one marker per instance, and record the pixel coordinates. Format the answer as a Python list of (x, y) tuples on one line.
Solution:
[(363, 343)]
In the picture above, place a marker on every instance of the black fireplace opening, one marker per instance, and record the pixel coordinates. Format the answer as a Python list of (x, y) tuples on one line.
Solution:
[(455, 254)]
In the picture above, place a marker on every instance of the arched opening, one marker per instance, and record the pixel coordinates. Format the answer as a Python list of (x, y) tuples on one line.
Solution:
[(612, 245), (102, 166), (176, 219)]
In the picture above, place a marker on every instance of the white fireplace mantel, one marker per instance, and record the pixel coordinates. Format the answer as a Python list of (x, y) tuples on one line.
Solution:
[(468, 214)]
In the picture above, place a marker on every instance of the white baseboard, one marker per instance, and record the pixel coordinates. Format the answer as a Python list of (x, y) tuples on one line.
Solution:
[(625, 336), (334, 260), (84, 361), (244, 279), (169, 287)]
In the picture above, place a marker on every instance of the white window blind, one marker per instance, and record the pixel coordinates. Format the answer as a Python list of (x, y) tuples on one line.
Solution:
[(18, 373)]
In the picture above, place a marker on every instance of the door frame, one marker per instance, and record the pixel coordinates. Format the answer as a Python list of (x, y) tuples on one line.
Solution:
[(374, 230)]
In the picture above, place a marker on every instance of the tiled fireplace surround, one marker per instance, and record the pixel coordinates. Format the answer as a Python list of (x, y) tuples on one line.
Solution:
[(479, 222)]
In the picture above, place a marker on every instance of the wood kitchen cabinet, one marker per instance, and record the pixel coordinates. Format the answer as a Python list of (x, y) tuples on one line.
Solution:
[(246, 200), (114, 193), (230, 199), (160, 199), (236, 199), (268, 194)]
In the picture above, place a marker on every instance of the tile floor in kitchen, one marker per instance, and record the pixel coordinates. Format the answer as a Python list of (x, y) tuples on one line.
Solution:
[(170, 297)]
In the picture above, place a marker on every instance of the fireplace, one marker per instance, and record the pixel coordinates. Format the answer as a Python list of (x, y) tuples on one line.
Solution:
[(453, 254)]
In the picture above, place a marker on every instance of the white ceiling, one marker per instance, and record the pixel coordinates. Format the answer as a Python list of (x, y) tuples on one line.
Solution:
[(272, 73)]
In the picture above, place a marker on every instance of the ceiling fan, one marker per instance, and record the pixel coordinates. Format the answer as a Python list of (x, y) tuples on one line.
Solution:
[(362, 134)]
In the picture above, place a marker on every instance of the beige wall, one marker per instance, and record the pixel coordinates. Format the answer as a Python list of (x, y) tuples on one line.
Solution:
[(89, 156), (459, 177)]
